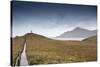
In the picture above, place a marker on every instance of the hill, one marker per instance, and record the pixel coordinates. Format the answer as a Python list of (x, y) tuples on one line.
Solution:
[(16, 44), (43, 50), (91, 39), (78, 33)]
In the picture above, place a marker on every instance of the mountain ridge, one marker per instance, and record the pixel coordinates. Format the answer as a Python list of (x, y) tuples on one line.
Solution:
[(78, 33)]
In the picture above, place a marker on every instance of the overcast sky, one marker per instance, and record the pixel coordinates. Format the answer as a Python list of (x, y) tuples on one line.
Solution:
[(51, 19)]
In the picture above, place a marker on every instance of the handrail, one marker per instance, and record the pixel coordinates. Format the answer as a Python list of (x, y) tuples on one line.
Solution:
[(17, 62)]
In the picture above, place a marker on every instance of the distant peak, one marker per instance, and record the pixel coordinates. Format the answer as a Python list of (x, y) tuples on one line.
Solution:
[(79, 28)]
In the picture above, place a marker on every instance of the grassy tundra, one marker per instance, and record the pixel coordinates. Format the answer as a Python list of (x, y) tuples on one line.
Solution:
[(42, 50), (17, 44)]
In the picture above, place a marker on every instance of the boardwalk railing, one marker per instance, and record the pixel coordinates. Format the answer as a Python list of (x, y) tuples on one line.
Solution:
[(17, 62)]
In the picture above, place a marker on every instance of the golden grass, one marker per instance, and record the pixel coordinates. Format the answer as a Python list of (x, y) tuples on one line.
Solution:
[(16, 48), (42, 50)]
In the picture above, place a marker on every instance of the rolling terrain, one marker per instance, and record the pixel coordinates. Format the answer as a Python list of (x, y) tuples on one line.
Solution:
[(91, 39), (17, 44), (43, 50)]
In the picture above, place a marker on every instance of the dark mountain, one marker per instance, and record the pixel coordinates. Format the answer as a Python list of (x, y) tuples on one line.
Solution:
[(78, 33)]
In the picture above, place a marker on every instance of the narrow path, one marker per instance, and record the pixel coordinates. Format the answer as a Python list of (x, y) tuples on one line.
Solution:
[(24, 61)]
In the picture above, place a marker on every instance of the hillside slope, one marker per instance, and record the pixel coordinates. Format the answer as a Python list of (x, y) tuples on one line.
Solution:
[(17, 44), (93, 38), (42, 50)]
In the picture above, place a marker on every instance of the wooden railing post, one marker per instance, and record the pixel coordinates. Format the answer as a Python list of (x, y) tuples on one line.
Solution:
[(17, 62)]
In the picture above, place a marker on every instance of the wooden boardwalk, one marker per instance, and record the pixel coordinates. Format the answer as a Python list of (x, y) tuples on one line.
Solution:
[(23, 60)]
